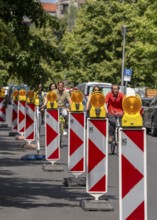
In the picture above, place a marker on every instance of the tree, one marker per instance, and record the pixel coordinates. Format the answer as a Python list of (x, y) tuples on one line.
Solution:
[(23, 22), (94, 47)]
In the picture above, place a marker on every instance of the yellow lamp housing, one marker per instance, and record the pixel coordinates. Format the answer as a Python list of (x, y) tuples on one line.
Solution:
[(22, 95), (51, 100), (132, 117), (30, 96), (15, 95), (97, 102), (77, 98), (2, 93), (36, 98)]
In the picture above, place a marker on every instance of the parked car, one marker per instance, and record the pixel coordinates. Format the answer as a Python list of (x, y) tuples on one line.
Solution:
[(86, 88), (12, 89), (150, 117), (145, 103)]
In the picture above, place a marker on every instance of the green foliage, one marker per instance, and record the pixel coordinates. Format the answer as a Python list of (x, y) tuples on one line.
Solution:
[(86, 45), (26, 37), (94, 47)]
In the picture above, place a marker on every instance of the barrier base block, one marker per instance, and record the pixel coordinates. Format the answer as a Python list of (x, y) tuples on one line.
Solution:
[(33, 157), (20, 137), (96, 205), (52, 168), (73, 181), (13, 133), (3, 125), (28, 146)]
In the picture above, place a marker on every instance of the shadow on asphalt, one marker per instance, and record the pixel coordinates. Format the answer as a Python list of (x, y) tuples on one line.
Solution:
[(24, 193), (20, 192)]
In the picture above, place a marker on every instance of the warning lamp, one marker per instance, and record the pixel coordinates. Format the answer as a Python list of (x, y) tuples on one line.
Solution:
[(30, 96), (2, 93), (77, 98), (15, 95), (97, 102), (51, 100), (131, 107), (22, 95)]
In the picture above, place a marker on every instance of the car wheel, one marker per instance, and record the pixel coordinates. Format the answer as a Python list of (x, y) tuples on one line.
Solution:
[(153, 130)]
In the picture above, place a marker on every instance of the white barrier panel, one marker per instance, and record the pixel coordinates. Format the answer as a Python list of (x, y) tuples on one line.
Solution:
[(2, 110), (21, 117), (76, 143), (97, 157), (14, 115), (132, 167), (30, 122), (52, 140)]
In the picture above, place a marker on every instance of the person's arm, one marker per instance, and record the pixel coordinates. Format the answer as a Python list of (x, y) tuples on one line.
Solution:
[(88, 102), (68, 98)]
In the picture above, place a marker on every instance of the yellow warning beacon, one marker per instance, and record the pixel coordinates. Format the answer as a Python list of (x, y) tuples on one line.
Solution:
[(77, 98), (2, 93), (22, 95), (15, 95), (131, 107), (97, 102), (51, 100), (30, 96)]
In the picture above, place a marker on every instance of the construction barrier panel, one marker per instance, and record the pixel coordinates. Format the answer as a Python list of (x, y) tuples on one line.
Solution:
[(132, 168), (30, 122), (97, 156), (52, 140), (14, 115), (76, 143), (21, 116), (2, 110)]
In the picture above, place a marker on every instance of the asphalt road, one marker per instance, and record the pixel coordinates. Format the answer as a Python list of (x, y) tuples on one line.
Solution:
[(27, 192)]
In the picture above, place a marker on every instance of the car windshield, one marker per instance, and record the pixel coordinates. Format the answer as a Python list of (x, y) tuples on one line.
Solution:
[(105, 90), (146, 102)]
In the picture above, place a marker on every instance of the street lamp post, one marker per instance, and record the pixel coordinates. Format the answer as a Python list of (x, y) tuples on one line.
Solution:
[(123, 57)]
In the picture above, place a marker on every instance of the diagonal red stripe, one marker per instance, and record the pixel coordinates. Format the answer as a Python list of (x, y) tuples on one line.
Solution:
[(138, 213), (137, 136), (21, 116), (99, 186), (55, 154), (31, 106), (50, 134), (29, 121), (75, 142), (79, 166), (79, 117), (31, 136), (3, 110), (100, 125), (53, 113), (14, 115), (130, 176), (94, 155)]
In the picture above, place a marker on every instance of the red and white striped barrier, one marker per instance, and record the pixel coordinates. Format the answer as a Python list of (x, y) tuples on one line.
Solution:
[(21, 117), (14, 115), (97, 157), (30, 122), (76, 143), (52, 140), (132, 167), (2, 110)]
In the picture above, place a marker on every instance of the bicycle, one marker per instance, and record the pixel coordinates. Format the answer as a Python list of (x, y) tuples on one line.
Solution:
[(115, 140), (61, 125)]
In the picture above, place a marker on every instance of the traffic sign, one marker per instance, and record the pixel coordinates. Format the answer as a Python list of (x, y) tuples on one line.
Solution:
[(127, 74)]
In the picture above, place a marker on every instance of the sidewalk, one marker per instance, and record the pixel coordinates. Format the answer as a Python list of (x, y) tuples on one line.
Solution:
[(27, 192)]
